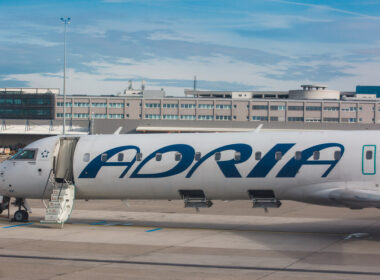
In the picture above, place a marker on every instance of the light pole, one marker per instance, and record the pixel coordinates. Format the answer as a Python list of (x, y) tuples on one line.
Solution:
[(65, 21)]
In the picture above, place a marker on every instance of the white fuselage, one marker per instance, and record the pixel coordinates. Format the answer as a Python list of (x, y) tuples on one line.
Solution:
[(324, 167)]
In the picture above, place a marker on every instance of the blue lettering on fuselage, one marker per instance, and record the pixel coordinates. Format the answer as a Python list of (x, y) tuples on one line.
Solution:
[(292, 167), (92, 169), (227, 167), (185, 161)]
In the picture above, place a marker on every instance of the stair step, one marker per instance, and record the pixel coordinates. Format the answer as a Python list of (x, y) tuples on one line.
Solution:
[(53, 211), (54, 204)]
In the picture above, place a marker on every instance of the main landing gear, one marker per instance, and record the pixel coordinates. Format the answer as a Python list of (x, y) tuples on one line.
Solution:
[(21, 215)]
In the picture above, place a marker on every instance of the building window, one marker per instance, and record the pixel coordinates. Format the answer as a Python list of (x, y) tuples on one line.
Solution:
[(99, 104), (274, 119), (152, 105), (313, 108), (188, 106), (312, 120), (68, 104), (100, 116), (331, 109), (169, 105), (81, 116), (277, 108), (331, 119), (223, 106), (116, 116), (153, 116), (295, 119), (81, 104), (116, 105), (295, 108), (260, 107), (205, 117), (60, 115), (170, 117), (205, 106), (187, 117), (259, 118), (223, 118)]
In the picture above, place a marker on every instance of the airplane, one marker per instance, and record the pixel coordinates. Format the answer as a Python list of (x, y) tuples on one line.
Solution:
[(331, 168)]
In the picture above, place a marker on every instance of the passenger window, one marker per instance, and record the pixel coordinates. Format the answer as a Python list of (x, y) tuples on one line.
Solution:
[(237, 156), (198, 156), (25, 155), (178, 156), (278, 155), (218, 155), (104, 157), (86, 157), (316, 155), (139, 156), (120, 157), (158, 157), (257, 155), (337, 155), (368, 155), (298, 155)]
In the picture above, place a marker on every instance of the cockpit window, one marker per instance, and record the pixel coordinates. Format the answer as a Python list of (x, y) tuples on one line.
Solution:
[(27, 154)]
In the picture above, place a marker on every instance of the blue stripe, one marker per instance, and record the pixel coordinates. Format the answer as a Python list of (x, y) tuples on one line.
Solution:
[(98, 223), (19, 225), (155, 229)]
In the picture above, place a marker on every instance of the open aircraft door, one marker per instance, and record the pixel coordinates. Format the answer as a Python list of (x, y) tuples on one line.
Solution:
[(63, 163), (369, 160)]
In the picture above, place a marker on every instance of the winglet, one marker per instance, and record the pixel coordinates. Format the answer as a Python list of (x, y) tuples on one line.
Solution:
[(258, 129), (117, 132)]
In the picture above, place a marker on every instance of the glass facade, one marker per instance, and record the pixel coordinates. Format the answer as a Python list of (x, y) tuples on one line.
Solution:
[(27, 106)]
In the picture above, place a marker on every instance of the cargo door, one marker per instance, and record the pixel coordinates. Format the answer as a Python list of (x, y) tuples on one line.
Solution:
[(369, 160)]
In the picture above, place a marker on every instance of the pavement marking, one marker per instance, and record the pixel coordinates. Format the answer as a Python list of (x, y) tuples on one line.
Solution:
[(155, 229), (19, 225), (195, 265), (96, 223)]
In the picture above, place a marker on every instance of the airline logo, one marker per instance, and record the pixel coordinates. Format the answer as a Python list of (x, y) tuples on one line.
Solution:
[(227, 167)]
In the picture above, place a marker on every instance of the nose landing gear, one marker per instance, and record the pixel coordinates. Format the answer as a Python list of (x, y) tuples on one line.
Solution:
[(21, 215)]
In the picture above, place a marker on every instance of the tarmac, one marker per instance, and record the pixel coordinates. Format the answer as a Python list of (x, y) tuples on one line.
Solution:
[(163, 240)]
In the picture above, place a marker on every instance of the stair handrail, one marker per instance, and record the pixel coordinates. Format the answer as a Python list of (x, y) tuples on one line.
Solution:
[(47, 182)]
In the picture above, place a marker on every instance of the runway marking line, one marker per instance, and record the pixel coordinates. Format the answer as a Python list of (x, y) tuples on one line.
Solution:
[(19, 225), (230, 229), (196, 265), (155, 229)]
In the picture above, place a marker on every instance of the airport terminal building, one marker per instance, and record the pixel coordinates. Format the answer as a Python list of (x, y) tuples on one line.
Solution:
[(40, 111)]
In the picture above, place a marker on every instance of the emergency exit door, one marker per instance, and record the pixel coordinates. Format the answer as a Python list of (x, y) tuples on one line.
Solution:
[(369, 160)]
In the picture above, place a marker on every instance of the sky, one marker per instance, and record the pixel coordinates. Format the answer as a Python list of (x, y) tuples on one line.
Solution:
[(229, 45)]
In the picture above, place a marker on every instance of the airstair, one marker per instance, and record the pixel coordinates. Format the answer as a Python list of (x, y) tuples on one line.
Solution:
[(61, 184), (61, 204)]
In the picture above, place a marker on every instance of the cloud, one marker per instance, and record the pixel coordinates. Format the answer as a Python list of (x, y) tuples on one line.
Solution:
[(327, 8)]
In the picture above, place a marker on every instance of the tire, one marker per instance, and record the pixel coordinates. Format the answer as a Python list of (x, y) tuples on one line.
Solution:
[(19, 216), (25, 215)]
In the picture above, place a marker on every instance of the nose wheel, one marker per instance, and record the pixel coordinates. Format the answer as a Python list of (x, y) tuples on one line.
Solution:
[(21, 215)]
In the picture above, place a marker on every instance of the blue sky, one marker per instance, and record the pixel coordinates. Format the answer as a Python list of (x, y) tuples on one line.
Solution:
[(229, 45)]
